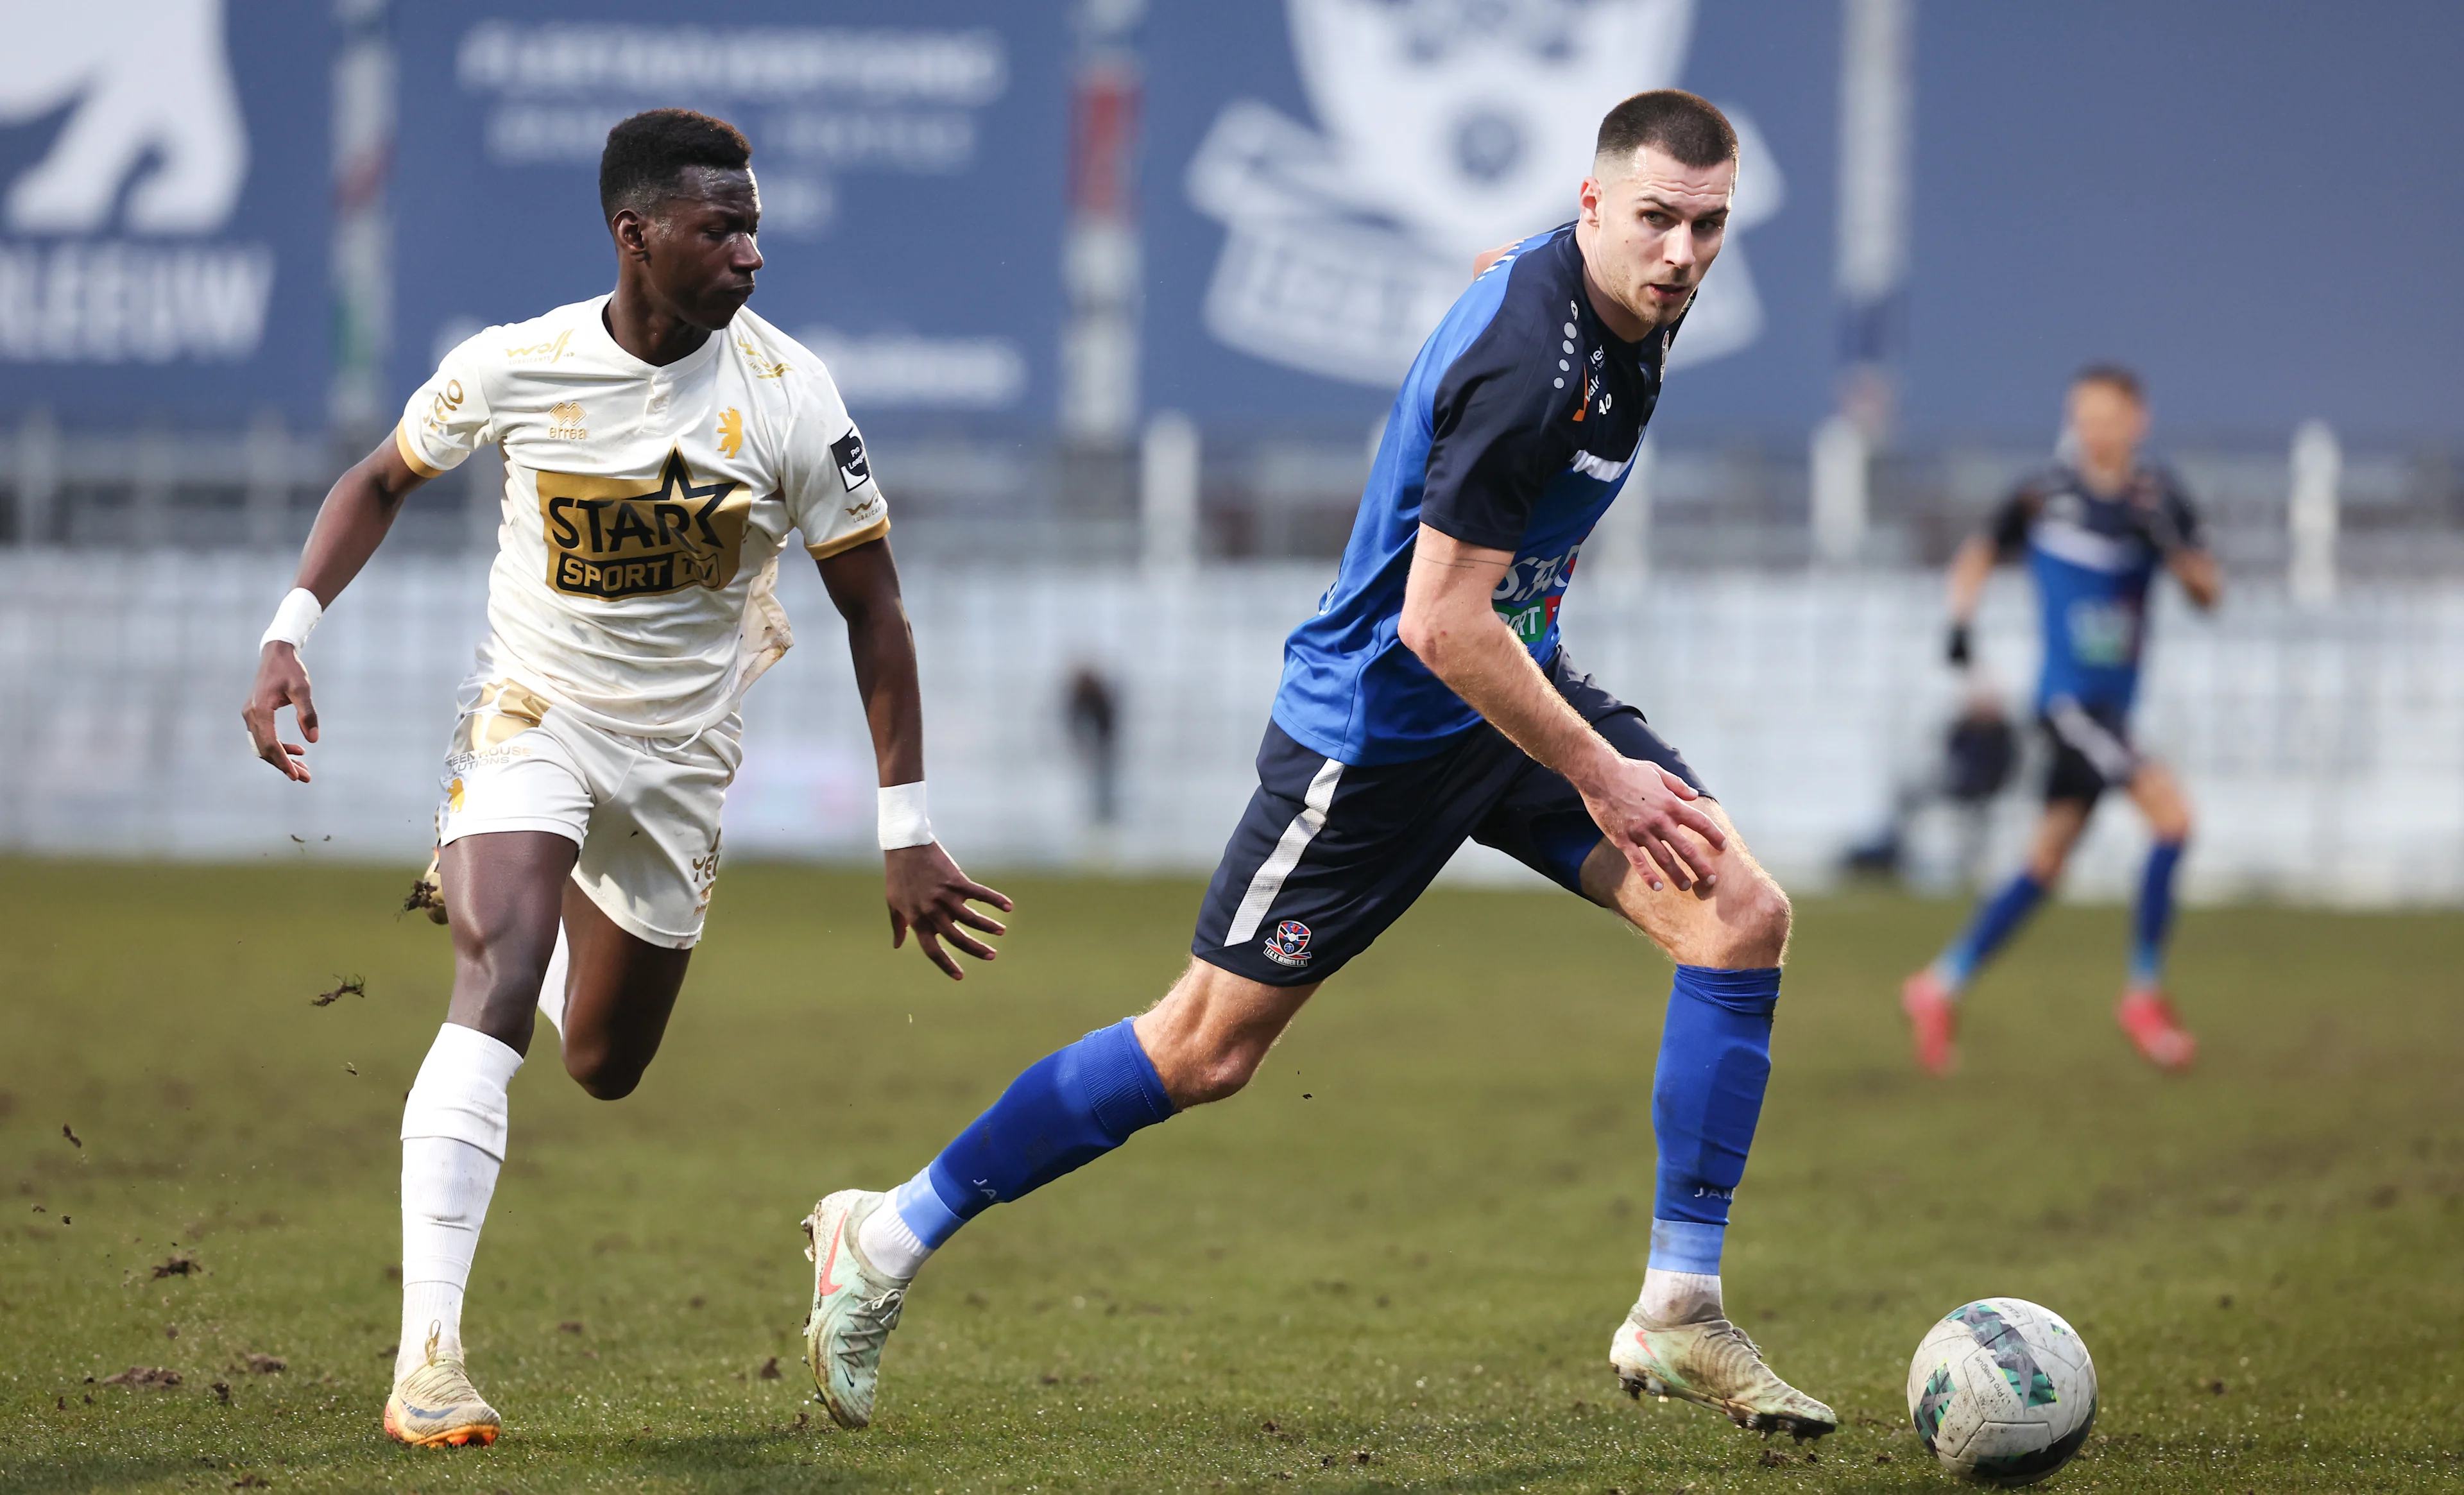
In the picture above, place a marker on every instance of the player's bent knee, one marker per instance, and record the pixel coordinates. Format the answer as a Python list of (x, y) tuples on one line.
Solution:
[(601, 1075), (1756, 929), (1201, 1080)]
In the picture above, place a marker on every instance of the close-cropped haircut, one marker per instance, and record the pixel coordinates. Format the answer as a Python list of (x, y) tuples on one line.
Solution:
[(1686, 125), (647, 152), (2115, 375)]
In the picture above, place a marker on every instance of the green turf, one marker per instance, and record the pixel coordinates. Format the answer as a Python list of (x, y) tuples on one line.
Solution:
[(1395, 1262)]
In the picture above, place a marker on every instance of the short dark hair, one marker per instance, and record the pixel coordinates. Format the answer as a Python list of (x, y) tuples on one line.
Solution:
[(1687, 125), (2114, 374), (645, 153)]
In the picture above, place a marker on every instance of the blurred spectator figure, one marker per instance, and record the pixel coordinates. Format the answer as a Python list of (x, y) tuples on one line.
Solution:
[(1094, 721), (1978, 755)]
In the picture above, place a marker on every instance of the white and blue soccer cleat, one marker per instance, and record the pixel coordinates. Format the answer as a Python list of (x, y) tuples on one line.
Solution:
[(855, 1306), (1713, 1364)]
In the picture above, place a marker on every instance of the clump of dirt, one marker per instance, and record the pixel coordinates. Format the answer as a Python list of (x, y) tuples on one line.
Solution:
[(145, 1377), (355, 986)]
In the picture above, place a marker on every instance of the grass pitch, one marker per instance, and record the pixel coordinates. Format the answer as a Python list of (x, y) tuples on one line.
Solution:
[(1395, 1262)]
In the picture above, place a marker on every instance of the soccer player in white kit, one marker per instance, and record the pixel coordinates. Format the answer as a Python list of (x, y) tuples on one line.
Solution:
[(659, 443)]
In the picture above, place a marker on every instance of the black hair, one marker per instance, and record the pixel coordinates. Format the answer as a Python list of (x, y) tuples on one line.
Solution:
[(2114, 374), (1686, 125), (647, 152)]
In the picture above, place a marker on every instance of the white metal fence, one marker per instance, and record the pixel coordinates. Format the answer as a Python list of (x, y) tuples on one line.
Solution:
[(2324, 747)]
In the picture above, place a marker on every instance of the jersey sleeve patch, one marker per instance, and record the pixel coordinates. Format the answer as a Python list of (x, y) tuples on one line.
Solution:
[(847, 451)]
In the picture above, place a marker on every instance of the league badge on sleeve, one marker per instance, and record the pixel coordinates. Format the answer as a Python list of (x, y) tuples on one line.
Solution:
[(1289, 944), (854, 469)]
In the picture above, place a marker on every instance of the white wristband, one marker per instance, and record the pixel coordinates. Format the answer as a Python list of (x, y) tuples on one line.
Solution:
[(295, 620), (903, 822)]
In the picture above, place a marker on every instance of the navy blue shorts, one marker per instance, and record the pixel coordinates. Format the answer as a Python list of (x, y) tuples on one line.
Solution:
[(2092, 750), (1329, 854)]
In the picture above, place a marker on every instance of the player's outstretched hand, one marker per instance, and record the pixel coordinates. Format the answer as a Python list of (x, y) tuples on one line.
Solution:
[(282, 680), (1644, 814), (930, 895)]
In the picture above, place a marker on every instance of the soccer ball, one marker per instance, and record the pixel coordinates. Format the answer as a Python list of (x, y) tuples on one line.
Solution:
[(2002, 1391)]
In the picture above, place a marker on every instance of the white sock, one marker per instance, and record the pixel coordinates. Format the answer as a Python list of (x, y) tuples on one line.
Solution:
[(890, 1244), (1680, 1297), (560, 965), (453, 1145)]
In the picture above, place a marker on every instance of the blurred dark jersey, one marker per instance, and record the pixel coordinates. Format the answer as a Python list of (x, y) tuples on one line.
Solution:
[(2093, 561)]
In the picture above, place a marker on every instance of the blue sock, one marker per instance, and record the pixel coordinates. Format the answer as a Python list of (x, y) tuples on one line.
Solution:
[(1997, 918), (1068, 1108), (2155, 915), (1714, 1061)]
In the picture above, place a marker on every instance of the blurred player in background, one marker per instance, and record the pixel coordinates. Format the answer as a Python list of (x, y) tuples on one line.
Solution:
[(2093, 532), (660, 442), (1428, 703)]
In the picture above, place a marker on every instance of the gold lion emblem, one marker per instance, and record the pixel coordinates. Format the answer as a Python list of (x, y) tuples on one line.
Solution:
[(564, 421)]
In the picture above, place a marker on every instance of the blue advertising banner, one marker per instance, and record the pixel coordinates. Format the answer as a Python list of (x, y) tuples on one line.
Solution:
[(911, 155), (163, 210), (1321, 172)]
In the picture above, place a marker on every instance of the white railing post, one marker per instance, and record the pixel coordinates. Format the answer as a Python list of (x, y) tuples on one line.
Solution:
[(1838, 473), (2316, 471), (268, 479), (1168, 477), (38, 476)]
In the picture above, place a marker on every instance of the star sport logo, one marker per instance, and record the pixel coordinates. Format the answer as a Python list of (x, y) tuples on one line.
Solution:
[(1289, 945), (615, 537)]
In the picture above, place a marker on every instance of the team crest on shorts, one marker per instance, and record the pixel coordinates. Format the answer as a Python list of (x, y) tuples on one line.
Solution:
[(1290, 943)]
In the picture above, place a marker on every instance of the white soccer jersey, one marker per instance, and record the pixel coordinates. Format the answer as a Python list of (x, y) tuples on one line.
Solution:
[(644, 508)]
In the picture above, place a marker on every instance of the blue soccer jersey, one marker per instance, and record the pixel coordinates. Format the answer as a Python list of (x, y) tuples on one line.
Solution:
[(2092, 560), (1513, 432)]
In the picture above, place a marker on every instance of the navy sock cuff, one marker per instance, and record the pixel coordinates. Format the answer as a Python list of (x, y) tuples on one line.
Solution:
[(1123, 1090), (1754, 990)]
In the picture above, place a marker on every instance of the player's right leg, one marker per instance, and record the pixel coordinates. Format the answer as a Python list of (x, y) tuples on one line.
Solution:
[(1325, 856), (506, 889), (1930, 998), (517, 807), (1199, 1043)]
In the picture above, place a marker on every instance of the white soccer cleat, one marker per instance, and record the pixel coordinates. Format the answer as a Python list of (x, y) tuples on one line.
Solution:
[(855, 1306), (1713, 1364), (435, 1406)]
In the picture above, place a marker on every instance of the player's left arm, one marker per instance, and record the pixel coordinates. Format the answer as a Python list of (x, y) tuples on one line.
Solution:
[(2173, 527), (926, 890)]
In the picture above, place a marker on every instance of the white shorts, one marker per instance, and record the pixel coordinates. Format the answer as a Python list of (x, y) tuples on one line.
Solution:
[(643, 810)]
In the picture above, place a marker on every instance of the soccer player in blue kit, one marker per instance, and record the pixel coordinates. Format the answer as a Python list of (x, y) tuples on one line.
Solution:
[(2094, 533), (1427, 703)]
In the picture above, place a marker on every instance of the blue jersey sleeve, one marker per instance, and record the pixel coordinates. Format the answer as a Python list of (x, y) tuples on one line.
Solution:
[(2008, 527), (1500, 429)]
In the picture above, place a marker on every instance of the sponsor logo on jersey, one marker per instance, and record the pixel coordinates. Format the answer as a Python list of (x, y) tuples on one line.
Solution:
[(1289, 944), (1529, 595), (854, 467), (763, 365), (545, 352), (564, 422), (615, 536), (731, 431)]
